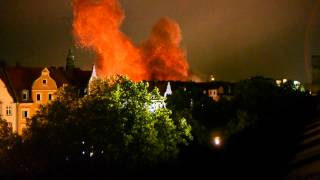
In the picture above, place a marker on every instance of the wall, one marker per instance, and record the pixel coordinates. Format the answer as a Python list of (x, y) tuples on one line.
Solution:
[(6, 100)]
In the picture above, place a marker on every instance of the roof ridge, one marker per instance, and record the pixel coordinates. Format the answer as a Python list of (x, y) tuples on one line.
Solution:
[(10, 84)]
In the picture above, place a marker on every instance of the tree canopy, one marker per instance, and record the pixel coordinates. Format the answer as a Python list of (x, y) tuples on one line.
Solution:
[(113, 124)]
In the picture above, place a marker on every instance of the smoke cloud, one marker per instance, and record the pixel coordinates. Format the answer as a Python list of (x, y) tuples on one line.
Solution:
[(97, 25)]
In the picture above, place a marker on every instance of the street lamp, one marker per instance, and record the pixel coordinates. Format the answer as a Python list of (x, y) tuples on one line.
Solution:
[(216, 141)]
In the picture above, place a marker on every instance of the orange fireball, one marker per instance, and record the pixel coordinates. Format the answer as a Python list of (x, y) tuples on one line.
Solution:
[(97, 25)]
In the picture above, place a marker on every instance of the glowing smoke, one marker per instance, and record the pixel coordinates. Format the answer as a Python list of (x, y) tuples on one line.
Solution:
[(97, 26)]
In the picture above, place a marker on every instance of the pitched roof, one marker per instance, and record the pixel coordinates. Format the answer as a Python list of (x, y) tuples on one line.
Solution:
[(79, 78), (58, 74), (19, 78), (5, 79), (76, 77), (176, 85)]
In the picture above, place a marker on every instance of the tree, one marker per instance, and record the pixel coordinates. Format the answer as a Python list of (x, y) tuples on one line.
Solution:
[(266, 127), (8, 140), (113, 124)]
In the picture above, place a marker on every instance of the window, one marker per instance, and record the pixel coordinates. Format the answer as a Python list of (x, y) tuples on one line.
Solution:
[(38, 97), (213, 92), (44, 82), (25, 114), (9, 111), (25, 95), (50, 97)]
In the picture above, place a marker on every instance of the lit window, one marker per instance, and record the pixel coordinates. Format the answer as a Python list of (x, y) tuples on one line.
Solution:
[(50, 97), (38, 97), (25, 114), (9, 111), (44, 82)]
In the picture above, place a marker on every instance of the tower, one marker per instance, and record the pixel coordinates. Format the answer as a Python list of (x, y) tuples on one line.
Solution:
[(70, 61)]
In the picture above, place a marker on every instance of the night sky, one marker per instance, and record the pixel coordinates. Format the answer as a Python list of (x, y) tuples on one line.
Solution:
[(231, 39)]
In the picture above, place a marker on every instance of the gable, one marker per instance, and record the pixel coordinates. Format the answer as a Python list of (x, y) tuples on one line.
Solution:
[(44, 82)]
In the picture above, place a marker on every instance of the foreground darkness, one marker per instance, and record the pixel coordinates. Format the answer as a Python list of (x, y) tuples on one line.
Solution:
[(263, 149)]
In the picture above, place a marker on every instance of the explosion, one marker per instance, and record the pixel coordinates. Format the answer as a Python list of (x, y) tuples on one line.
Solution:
[(97, 25)]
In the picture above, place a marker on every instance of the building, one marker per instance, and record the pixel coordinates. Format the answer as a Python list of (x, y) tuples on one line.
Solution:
[(24, 89), (214, 89)]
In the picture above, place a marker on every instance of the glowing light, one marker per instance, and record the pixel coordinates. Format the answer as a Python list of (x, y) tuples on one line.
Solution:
[(296, 84), (91, 154), (212, 78), (278, 82), (284, 80), (217, 141)]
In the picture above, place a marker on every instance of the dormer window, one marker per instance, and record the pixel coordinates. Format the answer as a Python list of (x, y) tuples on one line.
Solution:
[(25, 95), (44, 82)]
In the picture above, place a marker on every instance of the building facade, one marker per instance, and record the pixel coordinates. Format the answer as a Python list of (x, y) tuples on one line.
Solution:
[(8, 108), (24, 89)]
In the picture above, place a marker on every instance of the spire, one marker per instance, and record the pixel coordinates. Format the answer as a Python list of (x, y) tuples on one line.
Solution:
[(94, 73), (70, 61), (93, 77), (168, 90)]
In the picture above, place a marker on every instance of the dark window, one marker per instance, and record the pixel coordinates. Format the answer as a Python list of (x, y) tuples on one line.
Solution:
[(24, 96), (9, 111), (50, 97), (25, 114), (38, 97), (44, 82)]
